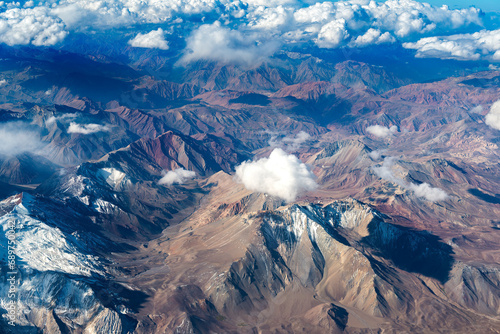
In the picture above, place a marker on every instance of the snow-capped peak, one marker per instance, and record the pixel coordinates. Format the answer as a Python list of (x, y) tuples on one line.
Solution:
[(113, 177)]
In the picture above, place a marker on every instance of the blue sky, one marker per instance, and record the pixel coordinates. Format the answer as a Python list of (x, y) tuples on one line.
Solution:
[(485, 5)]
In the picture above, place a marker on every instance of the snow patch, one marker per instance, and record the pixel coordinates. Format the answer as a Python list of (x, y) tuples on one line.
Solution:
[(52, 292), (113, 177), (84, 199), (105, 207), (45, 248), (75, 185)]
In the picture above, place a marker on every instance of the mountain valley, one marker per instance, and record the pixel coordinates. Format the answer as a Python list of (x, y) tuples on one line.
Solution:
[(135, 186)]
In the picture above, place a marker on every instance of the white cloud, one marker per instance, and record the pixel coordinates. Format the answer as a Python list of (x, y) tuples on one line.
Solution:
[(17, 137), (370, 22), (280, 175), (407, 17), (215, 42), (251, 25), (70, 14), (61, 118), (484, 44), (269, 3), (152, 40), (319, 12), (81, 14), (385, 171), (353, 14), (254, 28), (376, 154), (87, 128), (423, 190), (382, 131), (269, 18), (23, 26), (3, 82), (332, 34), (373, 36), (493, 117), (289, 143), (177, 176), (294, 142)]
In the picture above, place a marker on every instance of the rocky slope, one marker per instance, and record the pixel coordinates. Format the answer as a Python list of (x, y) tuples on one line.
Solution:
[(401, 233), (301, 268), (62, 264)]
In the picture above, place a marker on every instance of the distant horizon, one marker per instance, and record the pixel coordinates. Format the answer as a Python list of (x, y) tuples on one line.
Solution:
[(484, 5)]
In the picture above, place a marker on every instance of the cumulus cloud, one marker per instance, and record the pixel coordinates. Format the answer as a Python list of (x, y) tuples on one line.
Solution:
[(423, 190), (332, 34), (269, 3), (280, 175), (373, 37), (484, 44), (366, 23), (152, 40), (36, 26), (406, 17), (382, 131), (79, 14), (17, 137), (319, 12), (177, 176), (253, 29), (215, 42), (87, 128), (492, 119), (127, 12), (269, 18)]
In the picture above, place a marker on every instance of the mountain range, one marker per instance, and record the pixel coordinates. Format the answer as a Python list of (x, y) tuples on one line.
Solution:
[(304, 194)]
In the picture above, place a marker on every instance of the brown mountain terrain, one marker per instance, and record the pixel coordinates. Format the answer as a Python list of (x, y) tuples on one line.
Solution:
[(400, 235)]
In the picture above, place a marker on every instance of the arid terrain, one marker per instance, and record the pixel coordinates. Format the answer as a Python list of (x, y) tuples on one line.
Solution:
[(306, 193)]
